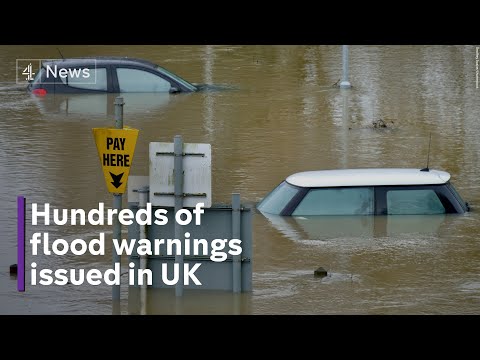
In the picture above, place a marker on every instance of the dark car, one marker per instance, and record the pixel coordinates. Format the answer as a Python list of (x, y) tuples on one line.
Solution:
[(106, 75)]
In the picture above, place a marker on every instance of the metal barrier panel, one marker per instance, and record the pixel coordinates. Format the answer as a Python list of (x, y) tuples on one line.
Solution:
[(216, 223)]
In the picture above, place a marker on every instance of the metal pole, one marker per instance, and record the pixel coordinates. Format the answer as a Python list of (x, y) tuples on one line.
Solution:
[(119, 112), (117, 202), (237, 304), (142, 204), (345, 131), (237, 261), (178, 192), (345, 84)]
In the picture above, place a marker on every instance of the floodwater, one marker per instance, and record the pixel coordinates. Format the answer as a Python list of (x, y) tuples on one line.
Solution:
[(282, 116)]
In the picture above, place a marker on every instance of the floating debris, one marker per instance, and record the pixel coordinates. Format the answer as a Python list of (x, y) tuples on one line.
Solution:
[(13, 269), (381, 124), (320, 272)]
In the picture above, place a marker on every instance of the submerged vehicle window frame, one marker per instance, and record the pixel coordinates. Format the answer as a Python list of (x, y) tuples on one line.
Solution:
[(457, 196), (118, 71), (414, 202), (451, 203), (370, 189), (177, 83), (290, 204), (448, 200), (178, 79), (39, 76), (65, 81)]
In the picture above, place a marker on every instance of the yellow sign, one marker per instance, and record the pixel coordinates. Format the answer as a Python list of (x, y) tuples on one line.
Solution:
[(115, 150)]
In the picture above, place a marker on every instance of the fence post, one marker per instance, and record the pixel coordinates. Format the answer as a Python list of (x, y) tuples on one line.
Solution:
[(178, 192), (345, 84), (117, 202), (237, 260)]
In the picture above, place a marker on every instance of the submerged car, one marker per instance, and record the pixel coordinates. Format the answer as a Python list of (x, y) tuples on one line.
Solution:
[(106, 75), (364, 192)]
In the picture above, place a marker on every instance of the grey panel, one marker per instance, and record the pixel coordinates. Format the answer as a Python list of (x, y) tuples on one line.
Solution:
[(216, 223)]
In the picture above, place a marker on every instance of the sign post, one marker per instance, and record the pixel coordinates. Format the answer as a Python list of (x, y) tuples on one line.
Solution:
[(345, 83), (116, 147), (178, 193), (189, 165)]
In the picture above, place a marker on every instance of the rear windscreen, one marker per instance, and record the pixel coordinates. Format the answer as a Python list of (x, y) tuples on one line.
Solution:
[(39, 75)]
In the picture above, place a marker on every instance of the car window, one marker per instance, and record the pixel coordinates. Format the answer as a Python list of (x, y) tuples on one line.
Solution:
[(413, 202), (455, 193), (38, 76), (275, 202), (134, 80), (96, 79), (341, 201), (185, 83)]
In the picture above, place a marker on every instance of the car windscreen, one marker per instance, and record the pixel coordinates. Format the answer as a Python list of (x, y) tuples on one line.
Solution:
[(177, 78), (457, 196), (275, 201), (38, 76)]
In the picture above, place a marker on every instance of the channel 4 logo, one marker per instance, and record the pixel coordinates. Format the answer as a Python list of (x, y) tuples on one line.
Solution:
[(28, 69)]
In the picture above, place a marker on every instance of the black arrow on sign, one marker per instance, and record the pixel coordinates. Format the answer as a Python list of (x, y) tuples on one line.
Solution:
[(116, 180)]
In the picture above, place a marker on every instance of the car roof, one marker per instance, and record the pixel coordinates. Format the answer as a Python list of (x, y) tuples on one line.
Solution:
[(100, 60), (367, 177)]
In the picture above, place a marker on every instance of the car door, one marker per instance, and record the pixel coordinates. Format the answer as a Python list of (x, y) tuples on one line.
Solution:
[(76, 81), (132, 79), (412, 200)]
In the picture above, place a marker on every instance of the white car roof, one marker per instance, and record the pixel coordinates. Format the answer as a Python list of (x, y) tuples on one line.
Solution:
[(367, 177)]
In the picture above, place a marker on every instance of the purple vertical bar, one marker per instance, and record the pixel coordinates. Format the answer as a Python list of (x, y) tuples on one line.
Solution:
[(21, 243)]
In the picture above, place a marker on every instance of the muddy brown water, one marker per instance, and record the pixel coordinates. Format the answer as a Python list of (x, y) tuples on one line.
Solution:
[(281, 116)]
